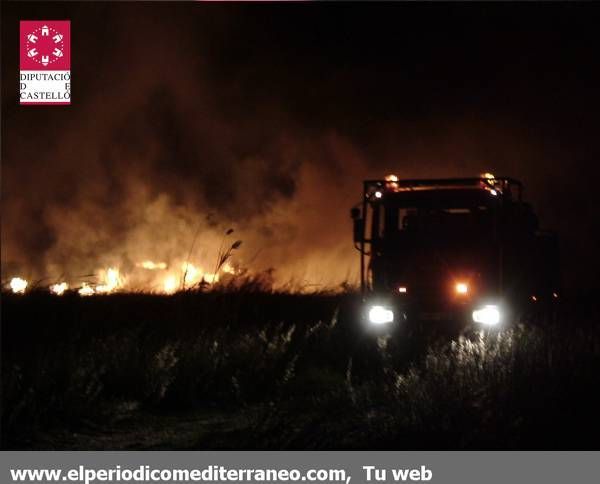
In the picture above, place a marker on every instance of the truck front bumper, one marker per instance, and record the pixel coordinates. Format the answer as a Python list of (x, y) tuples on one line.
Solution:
[(386, 316)]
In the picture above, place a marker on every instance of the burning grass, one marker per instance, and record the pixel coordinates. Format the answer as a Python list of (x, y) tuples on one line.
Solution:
[(148, 276), (280, 373)]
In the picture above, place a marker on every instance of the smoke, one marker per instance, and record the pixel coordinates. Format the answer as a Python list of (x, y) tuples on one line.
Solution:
[(181, 128), (151, 163)]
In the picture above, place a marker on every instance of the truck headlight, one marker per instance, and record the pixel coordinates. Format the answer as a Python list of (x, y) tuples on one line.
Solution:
[(488, 315), (381, 315)]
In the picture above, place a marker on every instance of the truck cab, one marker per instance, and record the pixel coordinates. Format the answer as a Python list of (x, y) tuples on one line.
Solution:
[(451, 252)]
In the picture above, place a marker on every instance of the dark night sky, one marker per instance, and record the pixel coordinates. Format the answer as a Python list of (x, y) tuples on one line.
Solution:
[(233, 109)]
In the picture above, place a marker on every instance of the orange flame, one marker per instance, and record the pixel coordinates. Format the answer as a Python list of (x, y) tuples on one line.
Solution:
[(59, 289), (18, 285)]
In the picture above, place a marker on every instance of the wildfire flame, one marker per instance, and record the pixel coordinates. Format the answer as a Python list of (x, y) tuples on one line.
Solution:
[(85, 290), (112, 280), (18, 285), (188, 276), (170, 285), (152, 266), (191, 273), (210, 278), (59, 289), (176, 276), (228, 269), (195, 275)]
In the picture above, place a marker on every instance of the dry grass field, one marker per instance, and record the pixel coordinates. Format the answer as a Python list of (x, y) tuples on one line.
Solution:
[(252, 369)]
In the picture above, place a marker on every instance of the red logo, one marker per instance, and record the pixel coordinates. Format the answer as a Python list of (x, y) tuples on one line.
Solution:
[(45, 61), (45, 45)]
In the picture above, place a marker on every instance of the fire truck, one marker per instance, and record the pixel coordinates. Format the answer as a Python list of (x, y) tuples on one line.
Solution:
[(451, 253)]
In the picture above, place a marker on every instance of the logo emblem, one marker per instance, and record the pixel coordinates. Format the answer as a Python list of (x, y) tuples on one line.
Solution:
[(45, 62), (45, 45)]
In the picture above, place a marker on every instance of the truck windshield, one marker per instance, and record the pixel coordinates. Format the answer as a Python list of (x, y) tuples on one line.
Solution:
[(434, 222)]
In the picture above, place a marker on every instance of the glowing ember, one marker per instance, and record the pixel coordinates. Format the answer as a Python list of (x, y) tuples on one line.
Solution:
[(59, 289), (85, 290), (18, 285), (152, 266)]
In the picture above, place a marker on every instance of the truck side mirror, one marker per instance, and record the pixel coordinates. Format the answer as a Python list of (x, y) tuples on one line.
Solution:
[(358, 224)]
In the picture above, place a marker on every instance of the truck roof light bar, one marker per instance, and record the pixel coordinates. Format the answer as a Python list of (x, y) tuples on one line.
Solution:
[(500, 183)]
